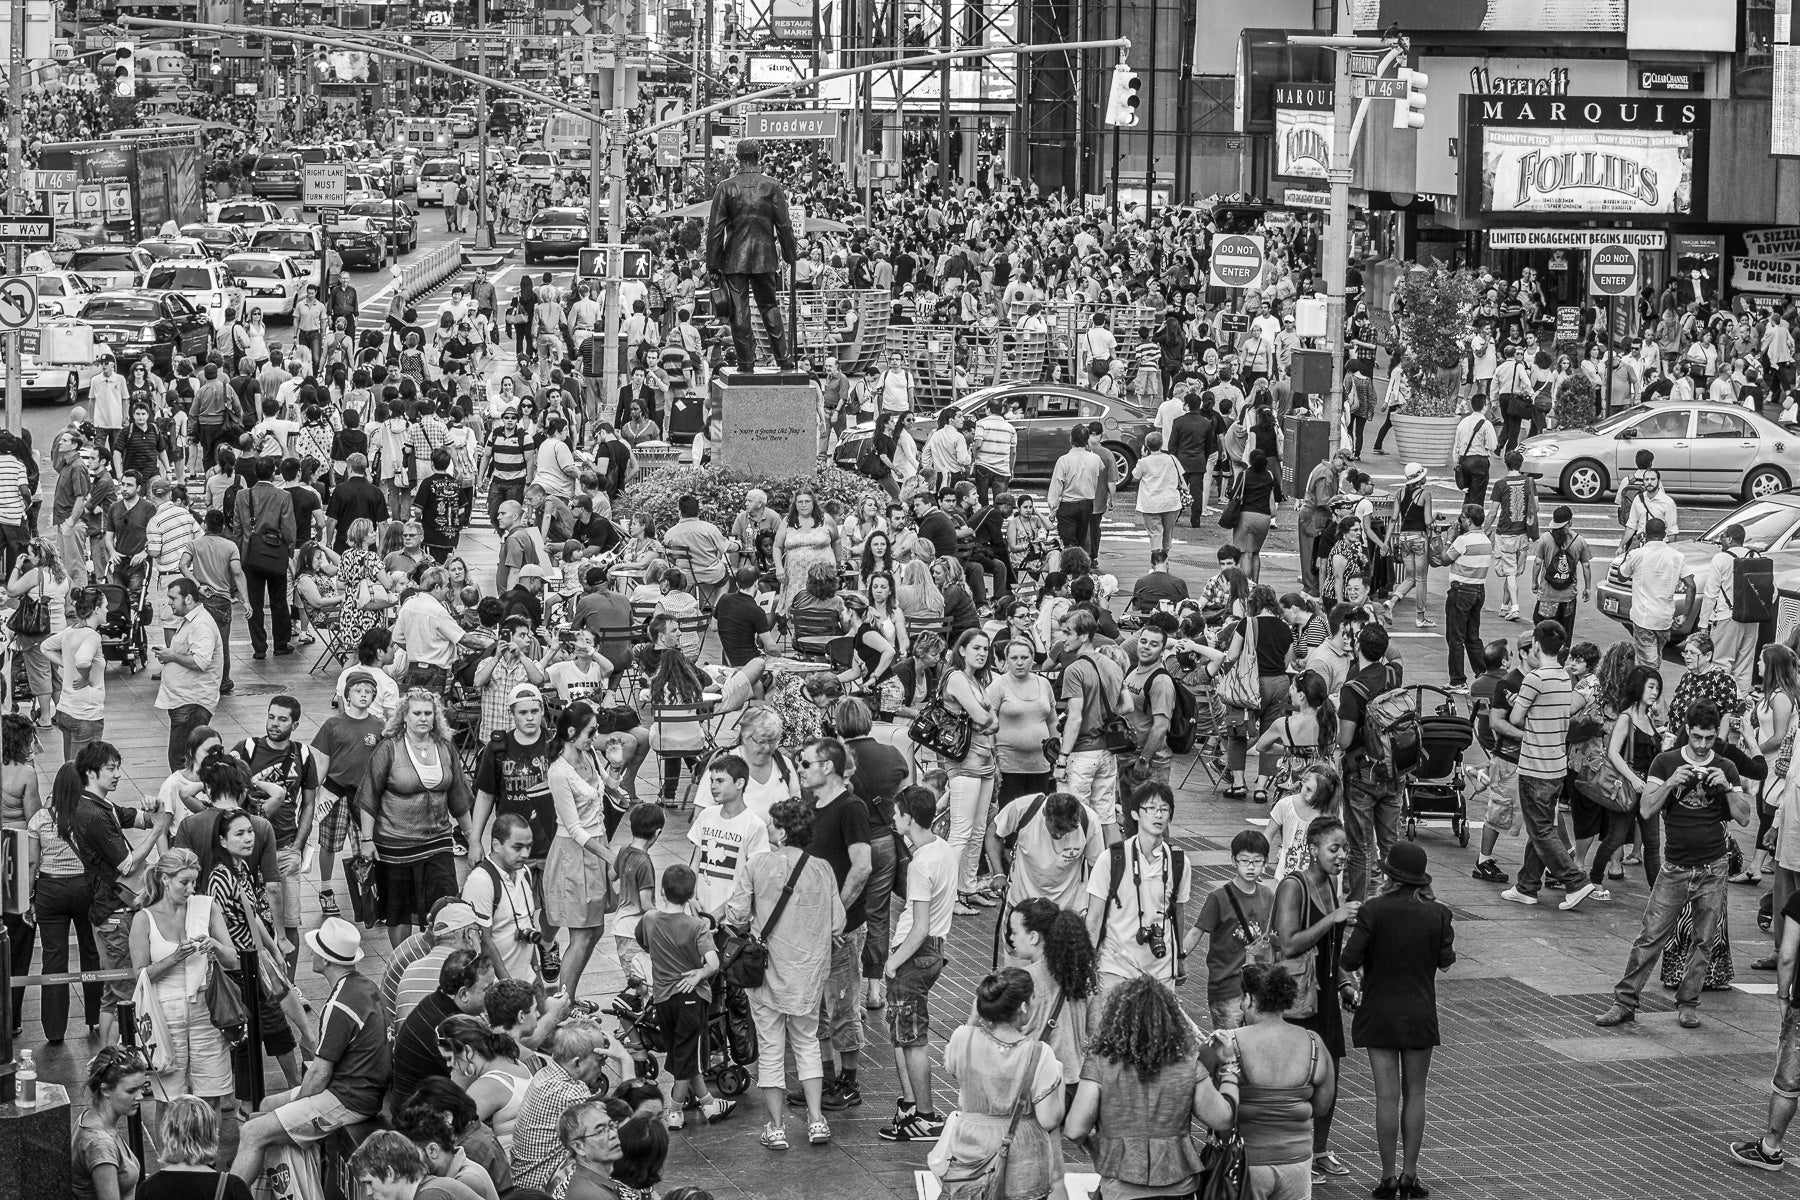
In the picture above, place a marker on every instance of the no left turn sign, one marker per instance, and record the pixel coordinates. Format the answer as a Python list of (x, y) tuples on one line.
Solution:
[(1237, 260), (18, 303)]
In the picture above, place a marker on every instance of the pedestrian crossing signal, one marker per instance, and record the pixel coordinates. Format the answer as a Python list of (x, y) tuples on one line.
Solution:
[(634, 263)]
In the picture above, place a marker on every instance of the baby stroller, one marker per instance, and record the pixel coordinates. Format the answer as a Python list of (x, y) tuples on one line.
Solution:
[(1435, 788), (124, 638), (727, 1048)]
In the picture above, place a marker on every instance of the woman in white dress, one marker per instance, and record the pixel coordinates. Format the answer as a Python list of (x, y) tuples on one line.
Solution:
[(177, 939)]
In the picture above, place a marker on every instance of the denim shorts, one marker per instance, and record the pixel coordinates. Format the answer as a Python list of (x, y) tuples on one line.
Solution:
[(908, 1017)]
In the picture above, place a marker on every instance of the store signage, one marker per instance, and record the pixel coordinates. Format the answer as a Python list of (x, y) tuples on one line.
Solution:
[(1514, 16), (1576, 239), (1302, 143), (1303, 95), (1619, 172), (1778, 275), (1773, 243), (1671, 79), (1301, 198), (1701, 245), (1590, 112), (1554, 82)]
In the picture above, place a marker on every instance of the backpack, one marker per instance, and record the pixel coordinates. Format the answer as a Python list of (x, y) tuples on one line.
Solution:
[(1628, 495), (1012, 839), (524, 920), (869, 464), (1559, 573), (1184, 714), (1176, 913), (1752, 588), (1389, 737)]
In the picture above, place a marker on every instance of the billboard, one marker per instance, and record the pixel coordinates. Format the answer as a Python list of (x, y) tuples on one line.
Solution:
[(1512, 16), (1303, 130)]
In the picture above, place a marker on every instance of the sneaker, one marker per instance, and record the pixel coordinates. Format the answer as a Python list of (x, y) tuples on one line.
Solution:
[(674, 1120), (1573, 900), (1518, 897), (1489, 871), (1618, 1014), (328, 904), (874, 994), (773, 1138), (983, 899), (1330, 1163), (1458, 689), (550, 962), (934, 1124), (818, 1133), (908, 1126), (1599, 893), (717, 1109), (845, 1094), (1687, 1016), (1752, 1154)]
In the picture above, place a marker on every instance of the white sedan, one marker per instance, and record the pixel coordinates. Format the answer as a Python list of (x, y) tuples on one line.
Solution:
[(209, 285), (271, 282), (62, 293)]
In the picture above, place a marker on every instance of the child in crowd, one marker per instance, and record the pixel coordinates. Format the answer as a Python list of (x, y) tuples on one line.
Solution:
[(915, 960), (1235, 919), (683, 958), (1290, 852), (637, 896)]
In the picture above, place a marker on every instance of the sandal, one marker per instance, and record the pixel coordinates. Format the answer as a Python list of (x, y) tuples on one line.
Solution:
[(774, 1139), (1749, 877), (963, 908), (1631, 859)]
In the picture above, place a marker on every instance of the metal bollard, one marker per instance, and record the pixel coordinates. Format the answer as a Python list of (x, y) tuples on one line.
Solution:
[(134, 1124), (253, 1037)]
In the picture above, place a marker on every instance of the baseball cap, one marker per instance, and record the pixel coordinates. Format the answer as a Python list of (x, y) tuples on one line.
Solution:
[(454, 916), (1562, 516), (533, 571), (524, 691), (356, 677), (159, 486)]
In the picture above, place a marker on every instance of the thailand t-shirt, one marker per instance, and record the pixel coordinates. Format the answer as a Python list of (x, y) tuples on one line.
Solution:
[(722, 845), (1694, 817)]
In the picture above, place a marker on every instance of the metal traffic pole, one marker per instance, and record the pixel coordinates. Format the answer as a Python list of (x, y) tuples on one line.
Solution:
[(484, 235), (15, 161)]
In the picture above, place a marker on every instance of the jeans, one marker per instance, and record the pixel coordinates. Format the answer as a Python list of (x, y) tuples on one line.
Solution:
[(1462, 630), (840, 1012), (1371, 815), (1545, 853), (62, 901), (876, 895), (1072, 517), (1703, 887), (269, 587), (968, 826), (219, 609), (1619, 828), (183, 721), (1650, 643), (499, 492), (77, 733), (989, 482), (1196, 485)]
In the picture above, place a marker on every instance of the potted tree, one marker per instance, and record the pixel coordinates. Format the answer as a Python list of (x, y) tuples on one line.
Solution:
[(1435, 306)]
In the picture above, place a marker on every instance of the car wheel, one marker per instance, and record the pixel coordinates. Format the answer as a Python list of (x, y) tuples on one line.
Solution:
[(72, 393), (1764, 481), (1122, 481), (530, 258), (1584, 480)]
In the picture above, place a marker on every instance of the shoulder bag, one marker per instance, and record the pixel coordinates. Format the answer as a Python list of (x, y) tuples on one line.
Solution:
[(1234, 507), (938, 729), (1305, 970), (1115, 731), (32, 617), (747, 954), (986, 1180), (1238, 686)]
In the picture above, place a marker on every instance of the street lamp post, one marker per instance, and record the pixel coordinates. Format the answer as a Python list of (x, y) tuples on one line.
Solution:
[(484, 235), (15, 161)]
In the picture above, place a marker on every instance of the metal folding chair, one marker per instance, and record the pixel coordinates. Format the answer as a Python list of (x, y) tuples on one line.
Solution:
[(329, 625), (812, 630), (677, 717)]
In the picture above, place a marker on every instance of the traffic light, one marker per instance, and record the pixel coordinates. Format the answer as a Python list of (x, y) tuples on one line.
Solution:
[(123, 71), (1409, 111), (218, 61), (1123, 100), (634, 263)]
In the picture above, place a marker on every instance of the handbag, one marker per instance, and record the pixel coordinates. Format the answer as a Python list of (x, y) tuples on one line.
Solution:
[(271, 976), (1304, 968), (32, 617), (747, 954), (1227, 1175), (365, 902), (1239, 686), (988, 1177), (1234, 508), (226, 1004), (938, 729), (1116, 734)]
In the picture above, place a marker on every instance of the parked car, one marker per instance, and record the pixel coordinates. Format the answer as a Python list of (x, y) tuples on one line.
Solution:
[(395, 218), (111, 266), (132, 322), (462, 120), (1048, 412), (1700, 448), (556, 232), (271, 282), (277, 173), (208, 285), (1771, 527), (359, 242)]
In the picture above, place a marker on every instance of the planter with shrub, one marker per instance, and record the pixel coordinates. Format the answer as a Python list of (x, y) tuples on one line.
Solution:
[(1435, 310), (722, 493)]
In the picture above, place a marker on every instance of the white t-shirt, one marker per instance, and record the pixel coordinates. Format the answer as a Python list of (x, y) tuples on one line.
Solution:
[(723, 846), (932, 877), (572, 683), (387, 692), (1120, 953), (169, 796), (554, 459), (1296, 851), (512, 908), (1054, 868), (76, 650), (272, 434), (759, 798)]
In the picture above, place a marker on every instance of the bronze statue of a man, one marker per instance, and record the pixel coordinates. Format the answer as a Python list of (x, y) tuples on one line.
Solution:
[(748, 237)]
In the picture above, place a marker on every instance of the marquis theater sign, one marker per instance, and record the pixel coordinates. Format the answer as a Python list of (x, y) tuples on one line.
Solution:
[(1585, 156), (1302, 130)]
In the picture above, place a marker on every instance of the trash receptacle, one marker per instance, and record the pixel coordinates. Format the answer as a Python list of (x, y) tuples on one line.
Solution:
[(1306, 443)]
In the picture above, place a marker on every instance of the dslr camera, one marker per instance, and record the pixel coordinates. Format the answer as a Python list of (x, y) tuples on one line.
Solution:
[(1153, 937)]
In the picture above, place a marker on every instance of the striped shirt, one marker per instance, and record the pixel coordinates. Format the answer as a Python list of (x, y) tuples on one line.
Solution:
[(1148, 355), (1549, 699), (13, 485), (995, 443), (508, 450), (1475, 554), (171, 531)]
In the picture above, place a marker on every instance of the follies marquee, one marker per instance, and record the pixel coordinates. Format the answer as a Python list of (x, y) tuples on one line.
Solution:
[(1582, 156)]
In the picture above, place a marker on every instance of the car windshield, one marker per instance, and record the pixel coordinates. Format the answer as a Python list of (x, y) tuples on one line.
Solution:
[(180, 278), (1621, 418), (1765, 522), (101, 260), (315, 154), (121, 308), (438, 169), (354, 225), (562, 217), (165, 250), (255, 268), (378, 208), (535, 158), (283, 239), (237, 213)]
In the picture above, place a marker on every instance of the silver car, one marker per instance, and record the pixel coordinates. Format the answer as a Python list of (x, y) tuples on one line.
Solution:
[(1698, 448)]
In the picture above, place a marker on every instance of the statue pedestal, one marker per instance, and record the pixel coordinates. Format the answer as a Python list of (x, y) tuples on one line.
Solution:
[(770, 423), (34, 1145)]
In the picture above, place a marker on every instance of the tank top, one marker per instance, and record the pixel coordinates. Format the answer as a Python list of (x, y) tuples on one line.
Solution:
[(191, 976), (507, 1115), (1412, 509), (1277, 1122)]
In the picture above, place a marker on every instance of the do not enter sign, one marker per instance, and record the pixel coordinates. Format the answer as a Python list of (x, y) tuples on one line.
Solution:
[(1612, 271), (1237, 260)]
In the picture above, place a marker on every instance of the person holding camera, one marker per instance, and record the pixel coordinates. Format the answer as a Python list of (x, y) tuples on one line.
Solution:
[(1696, 791), (1136, 907)]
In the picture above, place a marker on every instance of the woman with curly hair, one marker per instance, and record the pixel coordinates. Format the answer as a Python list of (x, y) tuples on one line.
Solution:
[(367, 599), (1052, 944), (819, 592), (997, 1063), (1143, 1085), (1285, 1084), (413, 792), (960, 614), (807, 536)]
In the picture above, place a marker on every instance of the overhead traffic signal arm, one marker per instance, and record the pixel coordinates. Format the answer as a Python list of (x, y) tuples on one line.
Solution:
[(1124, 97)]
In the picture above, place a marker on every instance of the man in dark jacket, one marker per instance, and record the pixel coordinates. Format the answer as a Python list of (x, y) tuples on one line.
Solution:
[(748, 237), (1190, 441), (265, 515)]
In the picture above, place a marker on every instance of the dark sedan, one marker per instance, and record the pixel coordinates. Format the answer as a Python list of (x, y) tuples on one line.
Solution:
[(395, 218), (1043, 413), (132, 322), (358, 242), (556, 232), (220, 239)]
